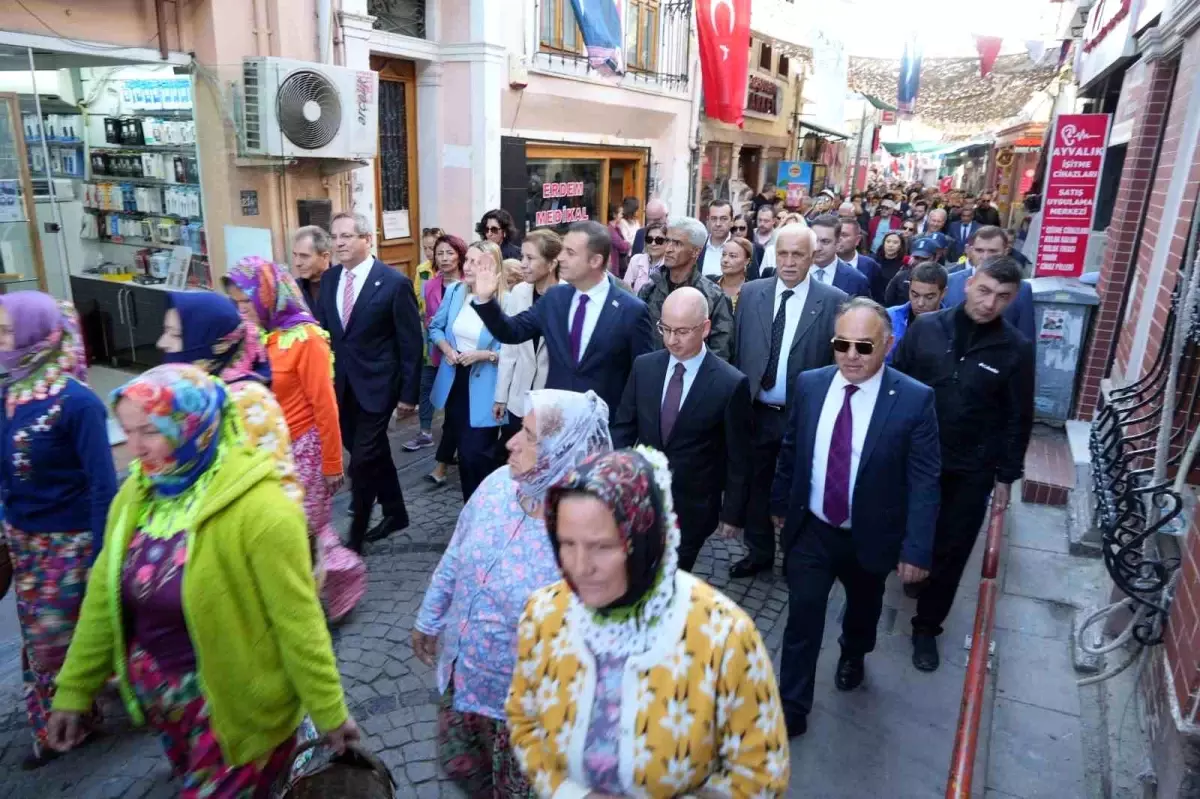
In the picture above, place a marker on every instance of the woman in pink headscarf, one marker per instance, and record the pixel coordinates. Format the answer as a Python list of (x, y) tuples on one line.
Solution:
[(56, 483)]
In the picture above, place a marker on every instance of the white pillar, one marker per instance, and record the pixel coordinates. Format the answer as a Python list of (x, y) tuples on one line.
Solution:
[(489, 76), (356, 43), (429, 142)]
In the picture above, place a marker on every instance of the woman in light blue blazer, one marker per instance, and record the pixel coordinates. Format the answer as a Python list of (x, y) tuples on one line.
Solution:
[(466, 380)]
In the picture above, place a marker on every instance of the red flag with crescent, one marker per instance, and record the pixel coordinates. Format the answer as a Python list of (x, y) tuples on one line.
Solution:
[(723, 28)]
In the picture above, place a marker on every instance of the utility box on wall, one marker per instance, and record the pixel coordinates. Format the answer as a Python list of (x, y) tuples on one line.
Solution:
[(1062, 309)]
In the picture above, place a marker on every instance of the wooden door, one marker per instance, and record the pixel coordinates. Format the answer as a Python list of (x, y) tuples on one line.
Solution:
[(398, 218)]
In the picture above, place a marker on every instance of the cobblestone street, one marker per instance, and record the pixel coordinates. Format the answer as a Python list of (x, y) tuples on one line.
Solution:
[(391, 694)]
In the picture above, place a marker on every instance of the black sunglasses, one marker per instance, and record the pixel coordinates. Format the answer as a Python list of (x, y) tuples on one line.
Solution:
[(491, 229), (843, 345), (656, 240), (742, 228)]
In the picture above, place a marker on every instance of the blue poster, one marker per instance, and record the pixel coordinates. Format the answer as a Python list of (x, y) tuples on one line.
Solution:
[(794, 172), (600, 24)]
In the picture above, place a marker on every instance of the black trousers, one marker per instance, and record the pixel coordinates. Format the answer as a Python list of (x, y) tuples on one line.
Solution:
[(697, 521), (964, 507), (507, 431), (476, 445), (769, 426), (372, 472), (819, 555)]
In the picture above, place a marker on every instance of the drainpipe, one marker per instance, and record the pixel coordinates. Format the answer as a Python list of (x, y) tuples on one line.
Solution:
[(324, 30), (260, 27)]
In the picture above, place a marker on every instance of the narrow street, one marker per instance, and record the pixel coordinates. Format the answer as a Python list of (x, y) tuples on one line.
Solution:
[(893, 737)]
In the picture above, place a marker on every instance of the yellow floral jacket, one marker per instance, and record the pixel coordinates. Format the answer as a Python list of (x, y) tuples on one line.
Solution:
[(266, 428), (701, 704)]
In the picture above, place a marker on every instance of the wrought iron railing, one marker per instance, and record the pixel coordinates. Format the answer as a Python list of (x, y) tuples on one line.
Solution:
[(673, 53), (1132, 506), (406, 17)]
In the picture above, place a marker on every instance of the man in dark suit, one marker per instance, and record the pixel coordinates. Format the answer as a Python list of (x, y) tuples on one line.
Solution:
[(593, 327), (782, 326), (312, 252), (847, 250), (855, 496), (827, 268), (988, 243), (960, 232), (695, 408), (656, 214), (371, 314), (985, 212)]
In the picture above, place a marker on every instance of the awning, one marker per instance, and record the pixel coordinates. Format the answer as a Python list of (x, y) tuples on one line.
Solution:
[(906, 147), (827, 132), (880, 104)]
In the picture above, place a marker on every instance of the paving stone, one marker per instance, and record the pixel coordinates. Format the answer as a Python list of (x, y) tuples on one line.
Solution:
[(420, 772), (397, 737), (1035, 753), (420, 750)]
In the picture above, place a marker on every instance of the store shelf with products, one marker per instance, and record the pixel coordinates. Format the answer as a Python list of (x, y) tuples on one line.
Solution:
[(142, 214), (145, 148)]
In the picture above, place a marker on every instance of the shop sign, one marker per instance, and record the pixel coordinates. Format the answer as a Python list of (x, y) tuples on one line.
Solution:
[(249, 202), (1072, 181), (560, 216), (554, 190), (1106, 38), (887, 118), (1129, 104)]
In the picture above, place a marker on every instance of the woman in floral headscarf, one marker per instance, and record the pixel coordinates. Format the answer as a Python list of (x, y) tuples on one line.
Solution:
[(56, 482), (634, 678), (302, 379), (202, 600), (205, 329), (499, 554)]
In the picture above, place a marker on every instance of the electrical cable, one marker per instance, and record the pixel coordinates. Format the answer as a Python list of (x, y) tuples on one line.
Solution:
[(179, 4)]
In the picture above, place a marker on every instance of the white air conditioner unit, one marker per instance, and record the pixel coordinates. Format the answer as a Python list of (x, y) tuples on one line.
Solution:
[(300, 109)]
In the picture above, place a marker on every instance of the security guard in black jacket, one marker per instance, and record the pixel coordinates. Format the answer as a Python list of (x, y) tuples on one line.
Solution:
[(981, 370)]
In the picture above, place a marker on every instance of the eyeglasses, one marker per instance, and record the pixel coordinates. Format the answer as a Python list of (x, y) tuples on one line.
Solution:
[(656, 240), (665, 331), (910, 229), (843, 345), (491, 229), (739, 228)]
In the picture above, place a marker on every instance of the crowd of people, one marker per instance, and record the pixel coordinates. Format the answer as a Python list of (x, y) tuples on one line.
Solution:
[(609, 409)]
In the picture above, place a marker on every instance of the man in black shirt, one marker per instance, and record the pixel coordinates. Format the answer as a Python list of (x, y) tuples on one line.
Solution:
[(981, 370)]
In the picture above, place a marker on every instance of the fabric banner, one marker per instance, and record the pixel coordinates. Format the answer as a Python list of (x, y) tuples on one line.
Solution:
[(1036, 50), (723, 28), (1064, 50), (946, 184), (910, 78), (988, 48), (600, 24)]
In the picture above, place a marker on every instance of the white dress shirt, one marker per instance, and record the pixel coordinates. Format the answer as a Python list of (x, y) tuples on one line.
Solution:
[(777, 395), (862, 405), (359, 272), (597, 296), (853, 260), (824, 274), (711, 263), (691, 367)]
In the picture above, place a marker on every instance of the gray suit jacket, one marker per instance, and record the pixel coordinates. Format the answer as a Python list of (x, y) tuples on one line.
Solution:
[(810, 348)]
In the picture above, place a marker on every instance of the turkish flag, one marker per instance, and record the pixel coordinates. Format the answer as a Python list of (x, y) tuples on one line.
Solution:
[(946, 184), (723, 27), (988, 48)]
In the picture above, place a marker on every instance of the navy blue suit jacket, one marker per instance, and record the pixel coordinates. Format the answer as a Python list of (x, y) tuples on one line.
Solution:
[(851, 281), (1019, 312), (868, 266), (622, 333), (898, 488), (378, 354), (958, 244)]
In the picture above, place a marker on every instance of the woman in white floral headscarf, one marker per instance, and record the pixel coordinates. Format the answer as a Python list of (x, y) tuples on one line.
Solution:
[(498, 556), (634, 678)]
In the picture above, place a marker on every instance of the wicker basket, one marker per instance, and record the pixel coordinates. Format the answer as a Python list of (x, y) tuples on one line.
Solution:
[(355, 774)]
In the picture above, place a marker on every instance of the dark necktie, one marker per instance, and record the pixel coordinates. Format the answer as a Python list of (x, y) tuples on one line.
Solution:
[(577, 327), (768, 378), (671, 402), (837, 468)]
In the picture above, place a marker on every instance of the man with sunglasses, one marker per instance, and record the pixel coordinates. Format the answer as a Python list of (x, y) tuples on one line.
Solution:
[(855, 497), (782, 327), (695, 408), (685, 242), (981, 370)]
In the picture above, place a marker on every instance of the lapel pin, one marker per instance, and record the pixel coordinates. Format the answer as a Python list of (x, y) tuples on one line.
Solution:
[(890, 393), (614, 304), (377, 283)]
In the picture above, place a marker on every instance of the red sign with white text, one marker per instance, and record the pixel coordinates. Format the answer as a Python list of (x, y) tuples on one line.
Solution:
[(1069, 203), (723, 28)]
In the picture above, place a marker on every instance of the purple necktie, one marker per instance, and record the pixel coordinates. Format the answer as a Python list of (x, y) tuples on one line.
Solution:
[(837, 469), (671, 402), (577, 327)]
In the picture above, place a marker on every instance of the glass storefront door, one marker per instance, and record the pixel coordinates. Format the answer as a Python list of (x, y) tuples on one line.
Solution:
[(20, 253)]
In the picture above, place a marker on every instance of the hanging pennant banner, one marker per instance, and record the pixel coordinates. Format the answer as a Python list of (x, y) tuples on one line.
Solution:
[(1076, 159), (910, 78), (988, 48), (723, 28), (1064, 50), (1036, 50), (600, 24)]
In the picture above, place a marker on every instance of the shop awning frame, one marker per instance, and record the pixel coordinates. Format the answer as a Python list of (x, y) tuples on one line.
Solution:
[(824, 131)]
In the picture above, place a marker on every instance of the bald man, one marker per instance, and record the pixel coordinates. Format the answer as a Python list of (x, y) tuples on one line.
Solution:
[(695, 408), (656, 214)]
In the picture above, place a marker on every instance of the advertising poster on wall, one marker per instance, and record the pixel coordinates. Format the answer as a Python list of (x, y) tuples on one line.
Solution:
[(1069, 204), (794, 181)]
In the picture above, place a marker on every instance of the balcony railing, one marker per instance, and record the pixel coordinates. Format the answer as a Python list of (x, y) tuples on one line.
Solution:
[(406, 17)]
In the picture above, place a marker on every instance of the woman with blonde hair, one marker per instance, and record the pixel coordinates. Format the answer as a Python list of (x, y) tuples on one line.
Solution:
[(466, 380), (735, 259)]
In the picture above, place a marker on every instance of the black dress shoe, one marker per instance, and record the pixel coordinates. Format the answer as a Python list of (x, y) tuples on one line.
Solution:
[(796, 724), (925, 652), (850, 673), (386, 526), (748, 567)]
